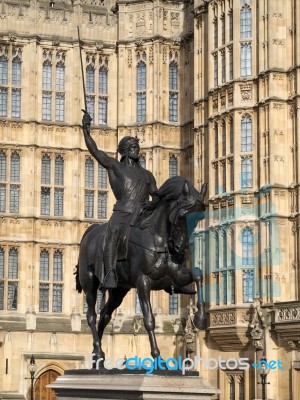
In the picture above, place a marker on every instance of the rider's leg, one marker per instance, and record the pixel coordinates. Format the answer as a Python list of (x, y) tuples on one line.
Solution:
[(110, 258)]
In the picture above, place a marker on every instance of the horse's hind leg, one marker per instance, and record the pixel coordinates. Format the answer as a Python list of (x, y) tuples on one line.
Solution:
[(91, 287), (114, 300), (143, 286)]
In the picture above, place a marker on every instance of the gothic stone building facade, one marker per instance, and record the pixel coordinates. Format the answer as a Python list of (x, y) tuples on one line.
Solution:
[(210, 88)]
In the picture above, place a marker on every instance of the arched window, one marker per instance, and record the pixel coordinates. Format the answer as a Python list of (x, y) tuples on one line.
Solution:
[(248, 247), (90, 89), (232, 267), (102, 177), (102, 205), (217, 260), (12, 299), (90, 79), (246, 59), (57, 281), (44, 282), (3, 81), (246, 22), (47, 75), (3, 70), (1, 279), (173, 91), (223, 138), (16, 91), (173, 304), (241, 388), (231, 388), (103, 80), (60, 76), (15, 167), (57, 266), (173, 166), (1, 263), (44, 265), (103, 98), (47, 94), (59, 171), (215, 24), (247, 173), (248, 286), (141, 87), (246, 131), (46, 170), (13, 264), (224, 249), (216, 140), (89, 173), (2, 166)]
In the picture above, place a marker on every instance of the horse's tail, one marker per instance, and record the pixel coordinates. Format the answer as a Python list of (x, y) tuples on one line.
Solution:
[(78, 285)]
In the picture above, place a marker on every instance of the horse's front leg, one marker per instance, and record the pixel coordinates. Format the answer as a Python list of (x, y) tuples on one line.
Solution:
[(200, 318), (143, 285), (115, 299)]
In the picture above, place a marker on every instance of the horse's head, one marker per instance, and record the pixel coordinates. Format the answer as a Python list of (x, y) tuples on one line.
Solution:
[(182, 198)]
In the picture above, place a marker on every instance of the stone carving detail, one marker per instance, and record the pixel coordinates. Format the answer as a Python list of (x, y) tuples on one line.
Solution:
[(138, 324), (165, 20), (140, 23), (151, 55), (150, 19), (292, 111), (246, 92), (224, 318), (257, 326), (292, 345), (257, 336), (190, 330), (129, 58), (288, 314), (175, 22), (230, 97), (278, 106), (278, 77), (223, 99), (130, 24), (165, 55), (247, 209), (215, 102), (139, 42), (17, 10), (140, 134), (278, 42)]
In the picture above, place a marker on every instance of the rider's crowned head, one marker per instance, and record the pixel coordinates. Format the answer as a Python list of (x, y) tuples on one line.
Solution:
[(129, 147)]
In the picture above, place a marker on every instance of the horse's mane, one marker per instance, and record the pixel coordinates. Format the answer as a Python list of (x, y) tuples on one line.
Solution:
[(172, 188)]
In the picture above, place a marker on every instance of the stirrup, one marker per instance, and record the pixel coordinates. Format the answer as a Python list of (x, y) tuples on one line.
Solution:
[(110, 280)]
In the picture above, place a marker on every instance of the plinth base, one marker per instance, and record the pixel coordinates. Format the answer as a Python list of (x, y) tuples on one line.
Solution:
[(90, 384)]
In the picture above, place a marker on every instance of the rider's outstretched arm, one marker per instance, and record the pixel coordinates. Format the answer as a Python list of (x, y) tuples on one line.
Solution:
[(102, 158)]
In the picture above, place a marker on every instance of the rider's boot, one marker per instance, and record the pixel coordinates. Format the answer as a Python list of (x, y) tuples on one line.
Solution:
[(110, 261)]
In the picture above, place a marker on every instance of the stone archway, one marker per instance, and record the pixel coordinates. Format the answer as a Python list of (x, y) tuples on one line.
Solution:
[(41, 392)]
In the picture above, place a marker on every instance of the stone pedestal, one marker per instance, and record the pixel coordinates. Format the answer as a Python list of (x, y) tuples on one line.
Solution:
[(90, 384)]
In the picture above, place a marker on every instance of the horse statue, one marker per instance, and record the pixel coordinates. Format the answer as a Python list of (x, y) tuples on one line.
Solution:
[(155, 260)]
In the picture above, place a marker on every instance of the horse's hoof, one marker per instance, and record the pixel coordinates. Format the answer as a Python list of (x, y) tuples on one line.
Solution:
[(197, 275), (200, 321), (185, 290), (155, 354)]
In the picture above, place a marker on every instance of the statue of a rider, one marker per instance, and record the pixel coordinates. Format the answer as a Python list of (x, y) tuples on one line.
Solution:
[(131, 185)]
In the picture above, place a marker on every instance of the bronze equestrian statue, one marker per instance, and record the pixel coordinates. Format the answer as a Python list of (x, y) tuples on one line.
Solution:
[(144, 244)]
